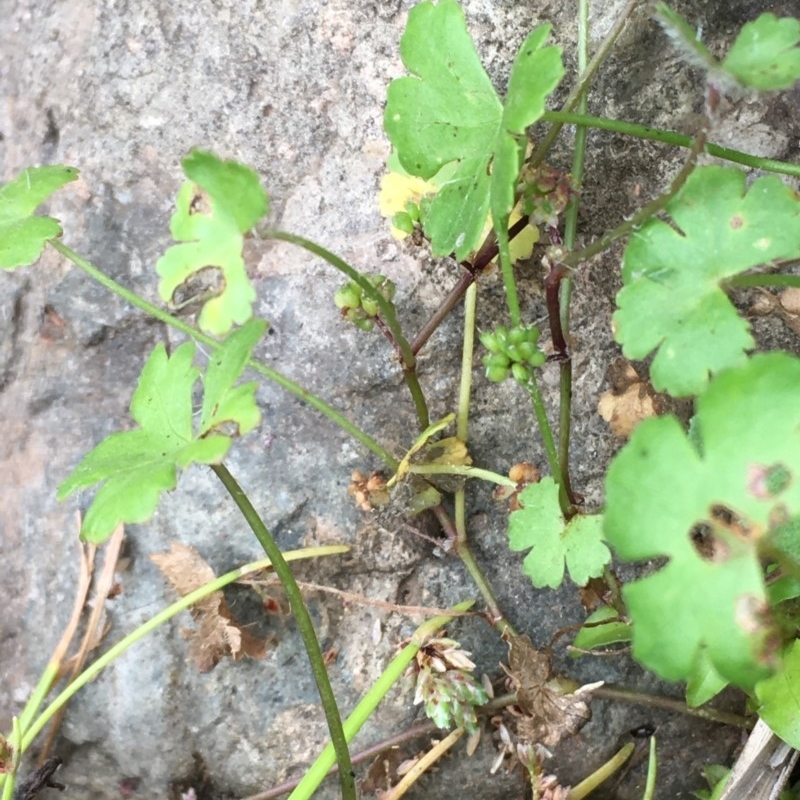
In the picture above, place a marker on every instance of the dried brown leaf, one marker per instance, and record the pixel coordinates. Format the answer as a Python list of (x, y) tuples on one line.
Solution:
[(217, 633), (549, 712), (629, 401)]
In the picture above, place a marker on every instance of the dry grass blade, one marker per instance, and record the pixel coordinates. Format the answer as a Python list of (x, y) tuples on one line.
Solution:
[(94, 631)]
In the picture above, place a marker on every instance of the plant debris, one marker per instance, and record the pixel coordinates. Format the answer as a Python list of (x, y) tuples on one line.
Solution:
[(217, 633)]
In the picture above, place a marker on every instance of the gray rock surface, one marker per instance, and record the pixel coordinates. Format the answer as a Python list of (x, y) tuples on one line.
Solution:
[(295, 88)]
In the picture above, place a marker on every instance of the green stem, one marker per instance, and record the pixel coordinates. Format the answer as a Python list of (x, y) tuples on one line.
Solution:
[(467, 351), (588, 785), (388, 314), (43, 687), (462, 413), (462, 470), (566, 285), (644, 213), (361, 713), (94, 669), (507, 269), (652, 772), (15, 740), (544, 427), (258, 366), (670, 137), (755, 279), (304, 625), (609, 692), (584, 79)]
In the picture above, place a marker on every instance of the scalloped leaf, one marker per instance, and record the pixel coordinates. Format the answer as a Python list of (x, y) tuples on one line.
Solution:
[(539, 526), (673, 301)]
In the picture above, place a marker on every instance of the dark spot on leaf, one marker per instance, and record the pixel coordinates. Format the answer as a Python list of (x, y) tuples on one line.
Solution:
[(529, 52), (736, 222), (703, 540)]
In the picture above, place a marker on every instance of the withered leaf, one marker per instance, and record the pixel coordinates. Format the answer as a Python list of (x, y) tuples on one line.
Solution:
[(629, 401), (550, 712), (217, 633)]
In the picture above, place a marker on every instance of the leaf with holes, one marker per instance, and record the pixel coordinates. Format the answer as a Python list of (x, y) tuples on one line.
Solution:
[(448, 115), (673, 301), (539, 526), (23, 235), (222, 201), (135, 466), (705, 505)]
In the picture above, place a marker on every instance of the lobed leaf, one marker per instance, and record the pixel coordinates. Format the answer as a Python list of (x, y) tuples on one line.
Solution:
[(135, 467), (222, 202), (23, 235), (704, 509), (540, 526), (447, 114), (673, 301)]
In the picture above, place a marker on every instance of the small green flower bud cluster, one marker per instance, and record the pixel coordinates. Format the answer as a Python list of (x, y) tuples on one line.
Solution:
[(357, 307), (513, 351), (407, 220)]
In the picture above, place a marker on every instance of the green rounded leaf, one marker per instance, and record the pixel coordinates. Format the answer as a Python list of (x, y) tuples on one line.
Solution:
[(539, 526)]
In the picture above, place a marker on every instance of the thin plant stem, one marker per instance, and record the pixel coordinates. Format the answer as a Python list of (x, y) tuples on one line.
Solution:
[(539, 412), (268, 372), (318, 770), (414, 732), (467, 351), (461, 470), (304, 624), (608, 692), (671, 137), (96, 667), (644, 213), (472, 270), (464, 392), (588, 785), (756, 279), (462, 549), (652, 772), (584, 79), (566, 497), (509, 281), (388, 313), (15, 740)]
